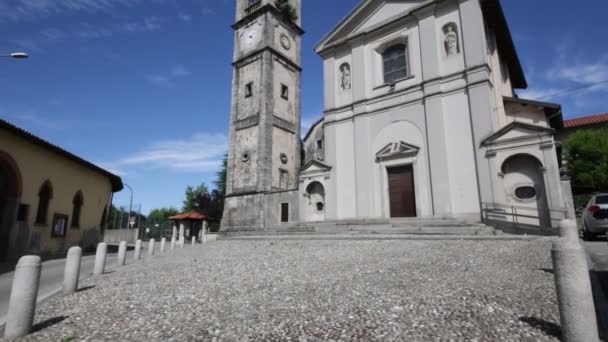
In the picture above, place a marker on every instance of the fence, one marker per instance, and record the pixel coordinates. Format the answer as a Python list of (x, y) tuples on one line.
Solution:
[(523, 219), (117, 235)]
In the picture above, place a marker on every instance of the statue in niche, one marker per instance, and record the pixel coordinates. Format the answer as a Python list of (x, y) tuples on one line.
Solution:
[(345, 83), (451, 40)]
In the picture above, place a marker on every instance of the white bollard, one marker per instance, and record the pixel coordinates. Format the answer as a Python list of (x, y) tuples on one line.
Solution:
[(122, 253), (573, 286), (24, 293), (182, 236), (137, 252), (193, 241), (172, 243), (174, 233), (151, 247), (204, 237), (163, 242), (100, 258), (71, 272)]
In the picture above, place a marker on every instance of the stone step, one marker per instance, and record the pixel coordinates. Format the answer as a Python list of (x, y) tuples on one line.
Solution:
[(372, 229)]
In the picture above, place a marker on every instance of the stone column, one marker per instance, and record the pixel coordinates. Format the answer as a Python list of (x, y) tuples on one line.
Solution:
[(173, 243), (71, 272), (100, 258), (193, 241), (163, 242), (573, 286), (174, 233), (24, 293), (151, 247), (137, 252), (182, 236), (122, 254)]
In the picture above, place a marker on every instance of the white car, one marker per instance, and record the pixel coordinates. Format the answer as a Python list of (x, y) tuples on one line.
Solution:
[(595, 216)]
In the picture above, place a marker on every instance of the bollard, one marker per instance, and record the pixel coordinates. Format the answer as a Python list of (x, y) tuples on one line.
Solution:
[(174, 233), (573, 287), (204, 237), (122, 253), (193, 240), (182, 236), (71, 272), (151, 247), (100, 258), (137, 252), (172, 243), (163, 242), (24, 293)]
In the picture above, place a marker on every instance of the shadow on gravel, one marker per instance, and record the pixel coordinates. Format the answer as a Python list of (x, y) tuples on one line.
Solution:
[(599, 284), (546, 270), (48, 323), (86, 288), (549, 328)]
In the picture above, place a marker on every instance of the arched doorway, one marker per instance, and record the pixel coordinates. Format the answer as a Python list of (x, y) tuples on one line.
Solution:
[(525, 188), (316, 201), (10, 193)]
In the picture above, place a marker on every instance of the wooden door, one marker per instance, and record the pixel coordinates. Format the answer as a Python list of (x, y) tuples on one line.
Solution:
[(402, 196)]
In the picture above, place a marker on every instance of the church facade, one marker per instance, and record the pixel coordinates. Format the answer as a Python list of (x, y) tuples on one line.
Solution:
[(420, 120)]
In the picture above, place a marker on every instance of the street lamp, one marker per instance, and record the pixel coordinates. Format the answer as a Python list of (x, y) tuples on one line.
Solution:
[(130, 204), (16, 55)]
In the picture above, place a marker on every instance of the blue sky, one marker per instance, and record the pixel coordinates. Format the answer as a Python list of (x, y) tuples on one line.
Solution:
[(142, 87)]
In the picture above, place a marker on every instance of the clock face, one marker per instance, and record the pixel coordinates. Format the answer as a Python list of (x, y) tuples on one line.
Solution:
[(285, 42), (251, 38)]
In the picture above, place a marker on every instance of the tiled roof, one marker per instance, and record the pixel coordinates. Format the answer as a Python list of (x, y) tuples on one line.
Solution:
[(188, 216), (115, 180), (586, 121)]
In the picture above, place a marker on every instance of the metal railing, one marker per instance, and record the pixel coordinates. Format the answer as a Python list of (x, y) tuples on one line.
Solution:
[(520, 215)]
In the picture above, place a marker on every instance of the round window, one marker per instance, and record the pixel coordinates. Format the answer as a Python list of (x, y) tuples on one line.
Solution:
[(320, 206), (245, 156), (525, 192)]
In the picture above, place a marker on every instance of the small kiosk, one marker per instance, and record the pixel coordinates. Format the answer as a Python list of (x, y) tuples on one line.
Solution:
[(190, 224)]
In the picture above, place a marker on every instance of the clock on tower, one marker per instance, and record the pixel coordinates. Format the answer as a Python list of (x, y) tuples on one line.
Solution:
[(264, 151)]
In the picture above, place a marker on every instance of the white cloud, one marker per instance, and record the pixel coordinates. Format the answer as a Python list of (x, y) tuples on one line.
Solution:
[(21, 10), (207, 11), (167, 80), (203, 152)]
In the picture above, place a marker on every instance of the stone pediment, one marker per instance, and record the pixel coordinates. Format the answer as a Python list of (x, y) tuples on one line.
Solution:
[(397, 150), (315, 166), (516, 131), (368, 15)]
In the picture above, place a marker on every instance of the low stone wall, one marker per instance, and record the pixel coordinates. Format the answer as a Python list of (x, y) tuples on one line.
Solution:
[(118, 235)]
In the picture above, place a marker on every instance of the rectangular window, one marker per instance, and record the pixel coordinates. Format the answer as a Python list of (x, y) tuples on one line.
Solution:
[(284, 212), (283, 178), (319, 144), (284, 92), (394, 60), (60, 223), (249, 89), (23, 213)]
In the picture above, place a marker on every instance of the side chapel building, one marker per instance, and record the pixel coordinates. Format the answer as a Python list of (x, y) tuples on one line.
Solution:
[(421, 119)]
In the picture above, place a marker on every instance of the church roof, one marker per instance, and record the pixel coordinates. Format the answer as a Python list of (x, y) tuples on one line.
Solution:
[(491, 8)]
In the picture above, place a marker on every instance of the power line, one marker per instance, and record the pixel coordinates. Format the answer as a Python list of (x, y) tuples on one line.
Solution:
[(573, 90)]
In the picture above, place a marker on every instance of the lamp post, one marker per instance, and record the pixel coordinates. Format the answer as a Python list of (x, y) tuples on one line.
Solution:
[(130, 204), (16, 55)]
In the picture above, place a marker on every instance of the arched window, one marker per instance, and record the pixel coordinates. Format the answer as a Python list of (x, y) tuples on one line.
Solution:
[(394, 59), (44, 199), (77, 202)]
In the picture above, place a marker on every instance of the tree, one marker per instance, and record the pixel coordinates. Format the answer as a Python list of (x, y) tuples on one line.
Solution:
[(195, 197), (160, 215), (220, 176), (285, 7), (587, 158)]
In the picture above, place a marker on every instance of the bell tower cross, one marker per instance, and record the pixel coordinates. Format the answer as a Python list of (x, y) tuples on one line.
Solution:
[(264, 151)]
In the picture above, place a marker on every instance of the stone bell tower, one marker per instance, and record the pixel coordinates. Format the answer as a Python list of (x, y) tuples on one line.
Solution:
[(264, 151)]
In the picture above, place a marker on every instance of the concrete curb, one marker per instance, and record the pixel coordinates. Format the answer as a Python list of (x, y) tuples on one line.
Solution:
[(364, 237)]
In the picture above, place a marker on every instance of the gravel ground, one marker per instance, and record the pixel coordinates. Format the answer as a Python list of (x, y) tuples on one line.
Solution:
[(317, 291)]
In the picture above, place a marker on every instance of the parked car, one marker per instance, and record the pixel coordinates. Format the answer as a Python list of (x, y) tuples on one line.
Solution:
[(595, 216)]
